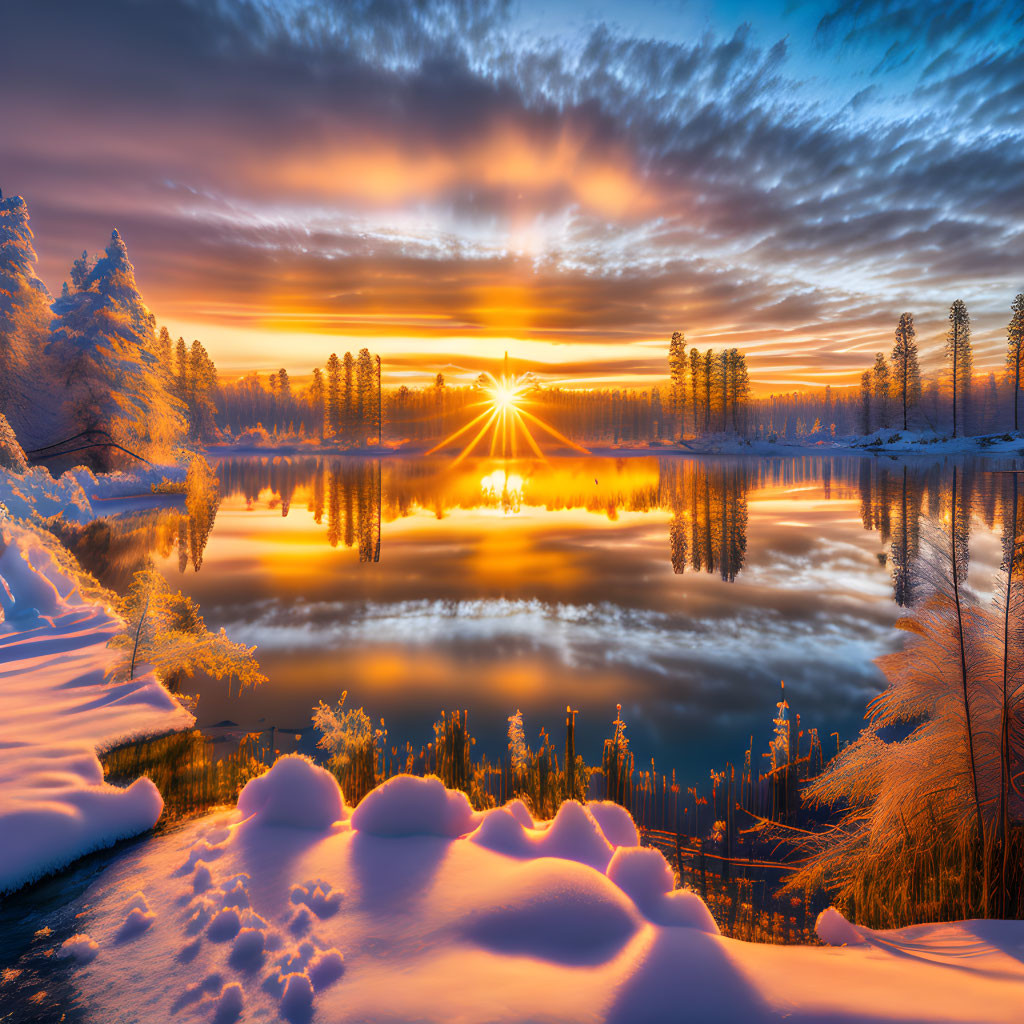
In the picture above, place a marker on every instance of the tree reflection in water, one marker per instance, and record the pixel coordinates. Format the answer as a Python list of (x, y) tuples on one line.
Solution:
[(706, 501)]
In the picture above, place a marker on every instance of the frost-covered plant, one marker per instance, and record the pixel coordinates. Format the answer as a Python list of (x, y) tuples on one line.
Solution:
[(165, 629), (351, 743), (104, 341), (343, 733), (518, 751), (932, 824), (11, 455)]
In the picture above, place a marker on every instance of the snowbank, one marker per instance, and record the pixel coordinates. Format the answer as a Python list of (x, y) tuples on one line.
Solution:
[(393, 912), (891, 441), (57, 707), (77, 494)]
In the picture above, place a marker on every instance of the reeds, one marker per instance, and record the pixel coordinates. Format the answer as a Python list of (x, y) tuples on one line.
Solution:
[(184, 767)]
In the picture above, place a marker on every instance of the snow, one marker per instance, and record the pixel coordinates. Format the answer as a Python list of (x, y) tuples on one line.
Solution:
[(57, 708), (888, 440), (80, 947), (298, 793), (410, 806), (834, 930), (398, 912), (78, 494)]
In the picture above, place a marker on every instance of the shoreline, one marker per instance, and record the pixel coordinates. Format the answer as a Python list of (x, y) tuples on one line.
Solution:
[(59, 709), (1003, 445)]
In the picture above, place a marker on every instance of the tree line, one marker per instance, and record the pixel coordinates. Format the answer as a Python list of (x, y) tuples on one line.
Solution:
[(343, 403), (891, 392)]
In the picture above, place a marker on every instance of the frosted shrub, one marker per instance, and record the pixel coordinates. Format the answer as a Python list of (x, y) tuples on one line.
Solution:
[(164, 629), (518, 751), (351, 743), (932, 824)]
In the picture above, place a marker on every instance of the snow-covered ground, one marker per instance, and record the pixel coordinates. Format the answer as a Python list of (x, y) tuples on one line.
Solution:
[(414, 908), (57, 708), (889, 441), (78, 494)]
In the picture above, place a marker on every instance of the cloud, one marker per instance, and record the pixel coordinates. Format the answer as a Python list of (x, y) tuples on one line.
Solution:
[(427, 171)]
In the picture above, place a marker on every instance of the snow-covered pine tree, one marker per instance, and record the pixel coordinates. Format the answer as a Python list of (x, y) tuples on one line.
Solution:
[(11, 455), (24, 325), (103, 340)]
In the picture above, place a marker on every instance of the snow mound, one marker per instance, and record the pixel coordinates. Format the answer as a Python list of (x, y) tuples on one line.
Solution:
[(556, 910), (417, 928), (501, 831), (28, 593), (834, 930), (407, 805), (138, 919), (616, 823), (574, 834), (80, 948), (641, 872), (521, 813), (295, 793), (62, 820), (644, 875)]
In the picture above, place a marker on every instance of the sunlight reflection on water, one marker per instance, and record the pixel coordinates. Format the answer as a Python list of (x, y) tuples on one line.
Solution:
[(683, 588)]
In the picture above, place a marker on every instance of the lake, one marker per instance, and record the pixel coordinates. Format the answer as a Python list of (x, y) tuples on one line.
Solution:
[(684, 589)]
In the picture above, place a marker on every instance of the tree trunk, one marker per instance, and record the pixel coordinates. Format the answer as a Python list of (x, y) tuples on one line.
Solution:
[(966, 692)]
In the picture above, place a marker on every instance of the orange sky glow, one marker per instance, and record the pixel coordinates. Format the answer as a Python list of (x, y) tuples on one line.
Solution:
[(569, 187)]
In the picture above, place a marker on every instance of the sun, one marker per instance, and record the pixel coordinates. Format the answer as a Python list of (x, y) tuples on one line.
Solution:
[(505, 418), (505, 394)]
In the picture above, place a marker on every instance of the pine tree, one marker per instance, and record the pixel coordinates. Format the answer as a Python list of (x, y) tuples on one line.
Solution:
[(906, 371), (24, 326), (202, 382), (865, 402), (707, 380), (958, 351), (881, 387), (164, 353), (104, 340), (677, 375), (316, 401), (1015, 353), (284, 385), (723, 383), (366, 403), (739, 384), (348, 414), (334, 406), (695, 365), (180, 385), (12, 457)]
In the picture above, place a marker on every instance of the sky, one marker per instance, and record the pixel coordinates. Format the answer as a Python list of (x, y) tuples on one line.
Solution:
[(570, 182)]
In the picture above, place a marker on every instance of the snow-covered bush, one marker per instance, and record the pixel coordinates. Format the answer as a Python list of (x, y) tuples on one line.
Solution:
[(11, 455), (164, 629), (351, 743)]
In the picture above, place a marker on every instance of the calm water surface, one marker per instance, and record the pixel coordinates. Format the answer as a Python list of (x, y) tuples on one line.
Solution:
[(684, 589)]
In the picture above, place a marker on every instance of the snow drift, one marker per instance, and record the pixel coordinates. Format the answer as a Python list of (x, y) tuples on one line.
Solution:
[(413, 907), (78, 494), (57, 707)]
